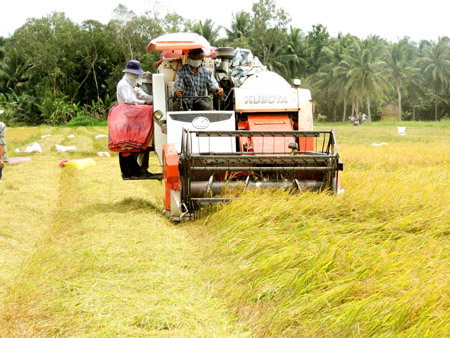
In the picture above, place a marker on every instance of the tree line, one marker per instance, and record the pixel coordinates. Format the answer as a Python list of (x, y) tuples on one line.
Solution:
[(53, 70)]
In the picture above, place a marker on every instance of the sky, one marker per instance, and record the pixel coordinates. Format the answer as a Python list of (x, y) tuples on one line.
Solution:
[(389, 19)]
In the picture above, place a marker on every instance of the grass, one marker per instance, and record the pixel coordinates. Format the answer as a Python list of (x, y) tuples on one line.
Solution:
[(85, 254)]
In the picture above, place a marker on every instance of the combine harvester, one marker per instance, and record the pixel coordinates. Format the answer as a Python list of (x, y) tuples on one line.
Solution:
[(259, 134)]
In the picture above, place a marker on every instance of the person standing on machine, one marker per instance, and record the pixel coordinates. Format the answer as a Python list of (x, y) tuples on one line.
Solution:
[(133, 165)]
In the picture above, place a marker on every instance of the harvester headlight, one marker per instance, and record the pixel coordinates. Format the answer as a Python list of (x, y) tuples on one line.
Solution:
[(157, 118), (158, 115)]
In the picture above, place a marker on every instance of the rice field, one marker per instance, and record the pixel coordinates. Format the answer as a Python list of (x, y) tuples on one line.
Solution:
[(85, 254)]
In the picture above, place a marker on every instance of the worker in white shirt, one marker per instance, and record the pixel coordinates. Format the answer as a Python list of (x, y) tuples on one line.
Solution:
[(127, 89), (134, 166)]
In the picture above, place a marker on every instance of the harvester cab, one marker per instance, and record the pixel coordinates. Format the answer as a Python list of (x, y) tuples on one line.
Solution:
[(258, 134)]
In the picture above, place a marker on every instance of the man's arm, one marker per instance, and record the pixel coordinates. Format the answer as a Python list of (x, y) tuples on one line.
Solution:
[(127, 94), (141, 95), (213, 85), (178, 85)]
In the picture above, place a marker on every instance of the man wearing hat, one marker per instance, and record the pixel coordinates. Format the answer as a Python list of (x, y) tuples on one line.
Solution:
[(127, 90), (3, 155), (134, 165), (194, 80)]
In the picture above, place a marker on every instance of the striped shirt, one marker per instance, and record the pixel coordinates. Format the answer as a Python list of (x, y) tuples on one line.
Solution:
[(195, 84)]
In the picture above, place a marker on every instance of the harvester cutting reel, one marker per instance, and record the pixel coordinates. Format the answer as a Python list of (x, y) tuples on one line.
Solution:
[(197, 175)]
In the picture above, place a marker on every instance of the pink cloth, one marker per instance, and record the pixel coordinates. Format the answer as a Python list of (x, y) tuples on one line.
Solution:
[(130, 127), (17, 160), (61, 164)]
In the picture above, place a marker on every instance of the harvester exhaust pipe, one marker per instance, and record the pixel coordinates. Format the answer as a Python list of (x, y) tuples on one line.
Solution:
[(225, 54)]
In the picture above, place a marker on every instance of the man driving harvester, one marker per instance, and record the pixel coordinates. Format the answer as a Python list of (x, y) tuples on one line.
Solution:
[(194, 80)]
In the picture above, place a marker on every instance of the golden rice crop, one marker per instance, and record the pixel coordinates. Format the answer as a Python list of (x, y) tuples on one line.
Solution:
[(374, 261), (85, 254)]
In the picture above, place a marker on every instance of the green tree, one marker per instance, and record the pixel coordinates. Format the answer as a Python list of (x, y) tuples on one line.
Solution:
[(268, 35), (2, 47), (325, 90), (207, 30), (14, 72), (240, 26), (332, 76), (129, 34), (22, 106), (436, 68), (174, 23), (363, 68), (93, 55), (126, 25), (316, 40), (49, 44), (295, 47), (400, 67)]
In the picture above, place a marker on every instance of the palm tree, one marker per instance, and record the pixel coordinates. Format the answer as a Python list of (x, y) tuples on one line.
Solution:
[(341, 72), (335, 52), (240, 26), (286, 58), (400, 69), (14, 71), (326, 83), (364, 65), (207, 30), (436, 68), (325, 87), (296, 49), (278, 60)]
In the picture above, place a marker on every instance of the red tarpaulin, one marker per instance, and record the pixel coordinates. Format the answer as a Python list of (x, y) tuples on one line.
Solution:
[(130, 127)]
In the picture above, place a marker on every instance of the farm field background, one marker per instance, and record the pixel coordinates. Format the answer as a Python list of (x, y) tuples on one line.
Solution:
[(85, 254)]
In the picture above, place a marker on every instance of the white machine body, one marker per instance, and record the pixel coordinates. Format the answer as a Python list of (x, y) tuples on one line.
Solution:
[(263, 92), (203, 121)]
